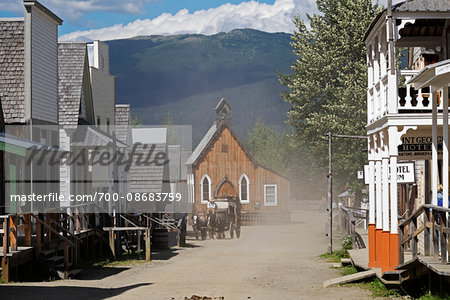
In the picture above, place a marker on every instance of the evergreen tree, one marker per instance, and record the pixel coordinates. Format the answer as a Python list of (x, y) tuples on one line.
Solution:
[(327, 88)]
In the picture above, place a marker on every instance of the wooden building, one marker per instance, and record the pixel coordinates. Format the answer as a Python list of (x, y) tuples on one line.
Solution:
[(221, 166)]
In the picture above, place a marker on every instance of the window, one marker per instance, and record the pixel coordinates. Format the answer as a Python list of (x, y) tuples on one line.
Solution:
[(244, 189), (270, 195), (206, 188)]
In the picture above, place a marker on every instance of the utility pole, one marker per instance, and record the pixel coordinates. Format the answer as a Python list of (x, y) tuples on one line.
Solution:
[(330, 195), (330, 183)]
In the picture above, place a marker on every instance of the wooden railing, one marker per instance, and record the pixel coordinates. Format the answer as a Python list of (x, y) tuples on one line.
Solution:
[(434, 228), (349, 220)]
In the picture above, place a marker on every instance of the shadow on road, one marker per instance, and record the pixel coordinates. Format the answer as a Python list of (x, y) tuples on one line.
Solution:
[(101, 273), (62, 292)]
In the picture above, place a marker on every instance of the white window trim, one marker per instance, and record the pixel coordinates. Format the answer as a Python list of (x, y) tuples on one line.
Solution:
[(276, 195), (248, 189), (201, 188)]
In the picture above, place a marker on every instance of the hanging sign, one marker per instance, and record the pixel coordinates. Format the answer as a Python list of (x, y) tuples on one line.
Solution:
[(418, 145), (405, 173)]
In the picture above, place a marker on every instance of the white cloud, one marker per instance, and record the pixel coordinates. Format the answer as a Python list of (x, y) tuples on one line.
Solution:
[(252, 14), (74, 10)]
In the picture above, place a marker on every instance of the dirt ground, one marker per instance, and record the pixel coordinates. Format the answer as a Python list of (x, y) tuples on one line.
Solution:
[(267, 262)]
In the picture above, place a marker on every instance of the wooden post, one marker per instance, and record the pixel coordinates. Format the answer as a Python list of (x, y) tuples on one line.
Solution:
[(38, 238), (48, 232), (5, 269), (13, 232), (443, 238), (147, 245), (401, 248), (427, 232), (66, 260), (27, 218), (5, 237), (78, 225), (434, 234), (112, 244), (414, 238)]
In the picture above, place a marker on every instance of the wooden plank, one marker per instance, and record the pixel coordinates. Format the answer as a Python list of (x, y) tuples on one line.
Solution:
[(350, 278)]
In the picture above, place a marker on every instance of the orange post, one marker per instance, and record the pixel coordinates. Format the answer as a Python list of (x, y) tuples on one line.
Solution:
[(372, 245), (386, 265), (378, 247), (394, 245)]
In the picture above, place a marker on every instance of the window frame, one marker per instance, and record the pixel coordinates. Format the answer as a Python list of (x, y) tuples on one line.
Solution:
[(276, 195), (205, 176), (248, 189)]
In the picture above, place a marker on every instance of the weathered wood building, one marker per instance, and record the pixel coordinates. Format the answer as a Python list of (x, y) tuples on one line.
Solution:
[(221, 166)]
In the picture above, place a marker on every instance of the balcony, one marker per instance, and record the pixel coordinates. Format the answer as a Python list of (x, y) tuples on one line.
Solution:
[(414, 97)]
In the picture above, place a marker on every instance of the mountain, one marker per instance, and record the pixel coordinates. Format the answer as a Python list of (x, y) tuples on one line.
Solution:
[(186, 75)]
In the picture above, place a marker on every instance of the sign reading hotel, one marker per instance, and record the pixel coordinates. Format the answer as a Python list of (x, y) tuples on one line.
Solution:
[(405, 173), (418, 145)]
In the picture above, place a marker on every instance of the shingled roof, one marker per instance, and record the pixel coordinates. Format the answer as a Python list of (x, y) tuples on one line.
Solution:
[(12, 80), (423, 5), (71, 65), (122, 122)]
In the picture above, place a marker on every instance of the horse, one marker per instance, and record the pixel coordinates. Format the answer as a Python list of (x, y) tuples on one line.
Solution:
[(199, 224), (217, 223)]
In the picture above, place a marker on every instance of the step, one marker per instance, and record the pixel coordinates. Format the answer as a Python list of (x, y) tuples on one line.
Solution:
[(54, 259), (346, 261), (47, 252), (350, 278), (61, 266)]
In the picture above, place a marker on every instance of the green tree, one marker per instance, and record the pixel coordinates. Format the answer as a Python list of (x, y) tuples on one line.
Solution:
[(269, 147), (327, 88), (136, 122)]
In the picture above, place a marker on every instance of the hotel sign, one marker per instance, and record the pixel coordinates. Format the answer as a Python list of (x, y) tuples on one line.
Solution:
[(417, 145), (405, 173)]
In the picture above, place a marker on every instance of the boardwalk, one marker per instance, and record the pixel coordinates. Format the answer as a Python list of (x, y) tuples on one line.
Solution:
[(268, 262)]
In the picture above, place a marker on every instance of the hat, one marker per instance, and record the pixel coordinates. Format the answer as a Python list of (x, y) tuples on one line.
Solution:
[(211, 200)]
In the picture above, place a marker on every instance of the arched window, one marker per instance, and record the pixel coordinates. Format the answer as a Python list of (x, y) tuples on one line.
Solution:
[(244, 189), (206, 188)]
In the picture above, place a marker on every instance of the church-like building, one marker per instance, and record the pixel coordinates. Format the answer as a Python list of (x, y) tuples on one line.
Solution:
[(221, 166)]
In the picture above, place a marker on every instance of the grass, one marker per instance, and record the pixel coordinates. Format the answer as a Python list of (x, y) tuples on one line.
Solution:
[(433, 297), (123, 260), (335, 256), (378, 289), (348, 270)]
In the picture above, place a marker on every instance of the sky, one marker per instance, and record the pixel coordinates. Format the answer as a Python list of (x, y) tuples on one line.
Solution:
[(117, 19)]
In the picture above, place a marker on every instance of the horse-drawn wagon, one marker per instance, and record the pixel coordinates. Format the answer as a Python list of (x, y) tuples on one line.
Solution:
[(223, 215)]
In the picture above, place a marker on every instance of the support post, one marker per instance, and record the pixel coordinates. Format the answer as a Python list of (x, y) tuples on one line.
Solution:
[(434, 153), (148, 256), (112, 243)]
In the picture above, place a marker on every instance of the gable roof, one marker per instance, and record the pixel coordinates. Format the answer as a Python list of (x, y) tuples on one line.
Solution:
[(209, 139), (12, 78), (202, 145), (72, 60)]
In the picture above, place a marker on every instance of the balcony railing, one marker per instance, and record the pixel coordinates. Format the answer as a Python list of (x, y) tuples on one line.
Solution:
[(411, 100)]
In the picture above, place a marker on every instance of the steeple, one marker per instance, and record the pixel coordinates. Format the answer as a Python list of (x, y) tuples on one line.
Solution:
[(223, 112)]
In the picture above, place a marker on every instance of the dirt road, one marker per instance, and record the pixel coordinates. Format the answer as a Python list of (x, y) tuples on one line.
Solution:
[(267, 262)]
